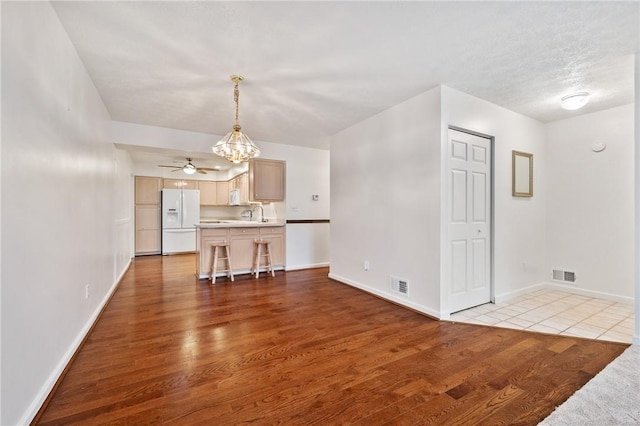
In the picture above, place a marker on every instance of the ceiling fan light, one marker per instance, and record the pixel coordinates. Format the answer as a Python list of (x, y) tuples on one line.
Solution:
[(189, 169), (574, 100)]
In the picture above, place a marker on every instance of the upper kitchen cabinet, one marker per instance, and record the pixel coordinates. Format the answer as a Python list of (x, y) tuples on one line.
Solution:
[(241, 182), (147, 190), (222, 196), (180, 184), (266, 180), (214, 193), (208, 193)]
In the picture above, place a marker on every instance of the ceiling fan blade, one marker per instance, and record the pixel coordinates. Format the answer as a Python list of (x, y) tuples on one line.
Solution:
[(208, 169), (202, 172), (171, 167)]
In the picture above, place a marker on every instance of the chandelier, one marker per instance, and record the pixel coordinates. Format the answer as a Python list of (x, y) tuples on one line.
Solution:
[(236, 146)]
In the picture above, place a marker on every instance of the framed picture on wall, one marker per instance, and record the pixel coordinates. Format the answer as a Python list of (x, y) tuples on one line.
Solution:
[(521, 174)]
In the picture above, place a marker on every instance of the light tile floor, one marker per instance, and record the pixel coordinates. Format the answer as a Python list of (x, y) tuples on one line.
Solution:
[(557, 312)]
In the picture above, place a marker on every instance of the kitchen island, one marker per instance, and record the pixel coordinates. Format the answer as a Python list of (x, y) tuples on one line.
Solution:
[(240, 235)]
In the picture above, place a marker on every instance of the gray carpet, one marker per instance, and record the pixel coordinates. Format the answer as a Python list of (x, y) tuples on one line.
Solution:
[(611, 398)]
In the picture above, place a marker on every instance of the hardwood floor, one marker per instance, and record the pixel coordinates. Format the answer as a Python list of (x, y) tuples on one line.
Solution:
[(303, 349)]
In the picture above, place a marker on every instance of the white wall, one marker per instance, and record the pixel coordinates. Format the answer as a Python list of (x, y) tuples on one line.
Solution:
[(385, 202), (307, 174), (519, 223), (590, 203), (307, 244), (386, 186), (66, 219)]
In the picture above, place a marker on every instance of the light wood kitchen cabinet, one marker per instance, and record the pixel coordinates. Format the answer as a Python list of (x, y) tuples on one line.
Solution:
[(241, 182), (241, 241), (208, 193), (147, 190), (276, 236), (148, 224), (214, 193), (148, 229), (266, 180), (222, 195), (204, 239), (180, 184)]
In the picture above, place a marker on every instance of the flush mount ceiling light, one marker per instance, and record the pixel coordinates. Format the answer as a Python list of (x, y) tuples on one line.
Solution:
[(236, 146), (574, 100)]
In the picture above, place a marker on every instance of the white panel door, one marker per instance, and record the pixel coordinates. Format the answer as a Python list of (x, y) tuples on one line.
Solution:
[(469, 220)]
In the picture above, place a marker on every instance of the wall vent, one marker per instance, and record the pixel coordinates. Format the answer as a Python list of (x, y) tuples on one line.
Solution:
[(399, 285), (565, 276)]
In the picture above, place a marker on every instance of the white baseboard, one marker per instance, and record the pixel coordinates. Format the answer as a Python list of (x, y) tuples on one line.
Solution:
[(41, 397), (309, 266), (388, 296), (589, 293), (503, 297)]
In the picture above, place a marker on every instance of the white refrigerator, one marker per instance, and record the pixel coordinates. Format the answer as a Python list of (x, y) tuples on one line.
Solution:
[(180, 215)]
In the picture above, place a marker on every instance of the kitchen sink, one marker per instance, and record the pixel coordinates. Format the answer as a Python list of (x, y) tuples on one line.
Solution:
[(228, 221)]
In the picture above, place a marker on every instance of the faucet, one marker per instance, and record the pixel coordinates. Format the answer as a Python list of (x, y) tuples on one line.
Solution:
[(244, 213), (261, 213)]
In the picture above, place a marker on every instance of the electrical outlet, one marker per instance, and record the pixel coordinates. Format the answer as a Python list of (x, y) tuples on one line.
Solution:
[(86, 291), (366, 265)]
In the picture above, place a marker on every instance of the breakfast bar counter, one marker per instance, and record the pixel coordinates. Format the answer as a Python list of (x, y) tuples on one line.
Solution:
[(240, 235)]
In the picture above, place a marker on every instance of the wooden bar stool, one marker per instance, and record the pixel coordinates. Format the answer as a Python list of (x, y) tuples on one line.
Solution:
[(217, 254), (258, 254)]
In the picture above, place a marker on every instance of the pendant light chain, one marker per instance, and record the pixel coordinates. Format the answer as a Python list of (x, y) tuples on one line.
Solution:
[(236, 98), (236, 146)]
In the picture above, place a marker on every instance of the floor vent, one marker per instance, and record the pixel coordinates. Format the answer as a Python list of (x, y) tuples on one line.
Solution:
[(566, 276), (400, 286)]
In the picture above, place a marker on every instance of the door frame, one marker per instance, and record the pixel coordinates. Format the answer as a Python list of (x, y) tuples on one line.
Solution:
[(445, 277)]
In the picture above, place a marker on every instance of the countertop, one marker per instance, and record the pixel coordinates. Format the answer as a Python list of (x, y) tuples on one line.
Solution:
[(238, 224)]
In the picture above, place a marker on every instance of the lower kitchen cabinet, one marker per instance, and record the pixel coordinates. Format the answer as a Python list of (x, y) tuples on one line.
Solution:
[(241, 240), (276, 236), (204, 239), (241, 244), (148, 229), (148, 242)]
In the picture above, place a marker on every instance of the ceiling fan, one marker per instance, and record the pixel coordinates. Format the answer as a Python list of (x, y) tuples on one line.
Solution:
[(190, 169)]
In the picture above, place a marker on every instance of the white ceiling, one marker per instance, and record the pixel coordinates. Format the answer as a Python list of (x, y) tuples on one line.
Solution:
[(315, 68)]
